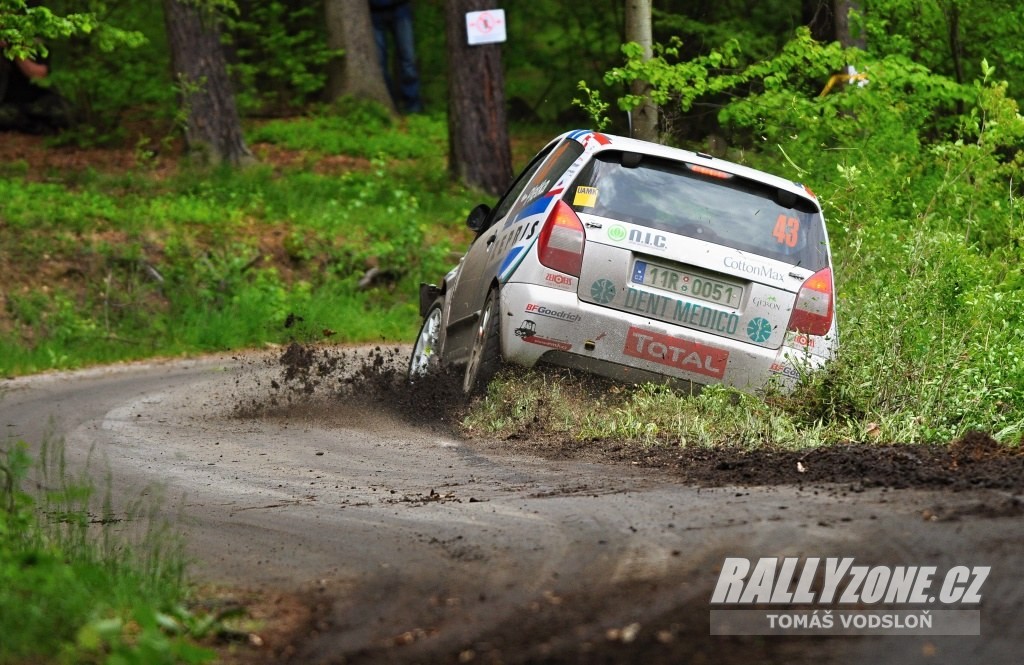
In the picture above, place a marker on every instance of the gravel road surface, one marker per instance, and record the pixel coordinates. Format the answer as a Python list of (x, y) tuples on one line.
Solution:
[(398, 541)]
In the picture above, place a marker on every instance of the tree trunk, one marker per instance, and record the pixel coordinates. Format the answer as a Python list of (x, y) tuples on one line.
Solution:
[(818, 15), (644, 118), (956, 46), (213, 131), (479, 154), (357, 72), (842, 18), (956, 49)]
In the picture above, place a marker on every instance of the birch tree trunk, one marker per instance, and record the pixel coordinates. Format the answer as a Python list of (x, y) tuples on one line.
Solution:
[(644, 118)]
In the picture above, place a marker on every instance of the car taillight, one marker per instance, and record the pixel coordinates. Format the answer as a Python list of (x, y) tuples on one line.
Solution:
[(561, 241), (813, 311)]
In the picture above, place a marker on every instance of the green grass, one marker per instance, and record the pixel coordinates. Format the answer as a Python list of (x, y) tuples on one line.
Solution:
[(535, 402), (81, 583), (105, 267)]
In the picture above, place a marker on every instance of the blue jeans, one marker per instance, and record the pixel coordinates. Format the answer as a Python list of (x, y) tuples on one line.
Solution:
[(398, 22)]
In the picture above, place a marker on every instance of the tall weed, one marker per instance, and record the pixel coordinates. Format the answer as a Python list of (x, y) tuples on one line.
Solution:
[(83, 582)]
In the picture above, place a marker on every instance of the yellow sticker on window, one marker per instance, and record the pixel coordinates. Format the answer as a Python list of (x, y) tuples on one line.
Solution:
[(585, 196)]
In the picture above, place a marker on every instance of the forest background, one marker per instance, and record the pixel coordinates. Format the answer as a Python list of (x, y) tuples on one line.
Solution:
[(114, 248)]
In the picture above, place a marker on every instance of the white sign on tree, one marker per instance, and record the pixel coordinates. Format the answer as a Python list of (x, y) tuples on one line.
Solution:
[(486, 27)]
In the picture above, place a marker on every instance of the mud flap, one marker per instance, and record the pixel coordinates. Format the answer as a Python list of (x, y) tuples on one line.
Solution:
[(428, 294)]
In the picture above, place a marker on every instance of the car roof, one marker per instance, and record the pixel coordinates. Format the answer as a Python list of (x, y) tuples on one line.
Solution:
[(614, 142)]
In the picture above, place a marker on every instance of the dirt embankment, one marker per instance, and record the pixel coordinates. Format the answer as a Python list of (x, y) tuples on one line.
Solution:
[(976, 461)]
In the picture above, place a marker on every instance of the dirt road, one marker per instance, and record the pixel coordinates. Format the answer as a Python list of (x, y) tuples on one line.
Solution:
[(406, 544)]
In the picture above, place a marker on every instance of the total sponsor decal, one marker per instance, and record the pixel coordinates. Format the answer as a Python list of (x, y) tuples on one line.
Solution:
[(561, 315), (674, 352), (860, 589), (753, 269), (560, 280), (688, 313)]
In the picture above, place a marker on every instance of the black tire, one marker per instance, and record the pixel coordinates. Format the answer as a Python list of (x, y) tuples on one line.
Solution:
[(485, 355), (429, 346)]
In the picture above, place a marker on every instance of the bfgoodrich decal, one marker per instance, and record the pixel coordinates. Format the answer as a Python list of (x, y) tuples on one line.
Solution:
[(561, 315)]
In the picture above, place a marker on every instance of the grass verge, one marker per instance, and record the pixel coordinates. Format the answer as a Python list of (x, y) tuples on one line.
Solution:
[(80, 583)]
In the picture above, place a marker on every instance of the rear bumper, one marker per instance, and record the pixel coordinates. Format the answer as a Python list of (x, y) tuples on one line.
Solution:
[(549, 325)]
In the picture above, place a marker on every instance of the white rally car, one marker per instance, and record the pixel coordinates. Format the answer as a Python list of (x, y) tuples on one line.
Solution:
[(638, 262)]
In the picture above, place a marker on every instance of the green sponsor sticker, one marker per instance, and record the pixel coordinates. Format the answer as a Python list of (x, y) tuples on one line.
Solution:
[(759, 330), (617, 233), (603, 291)]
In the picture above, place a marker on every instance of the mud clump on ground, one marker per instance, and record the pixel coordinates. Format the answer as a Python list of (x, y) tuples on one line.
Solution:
[(975, 461), (333, 384), (305, 379)]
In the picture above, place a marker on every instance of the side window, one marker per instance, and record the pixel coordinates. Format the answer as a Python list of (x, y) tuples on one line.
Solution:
[(518, 186), (538, 178), (561, 158)]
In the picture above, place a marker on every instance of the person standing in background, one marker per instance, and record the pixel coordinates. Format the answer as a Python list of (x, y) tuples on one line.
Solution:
[(26, 106), (394, 18)]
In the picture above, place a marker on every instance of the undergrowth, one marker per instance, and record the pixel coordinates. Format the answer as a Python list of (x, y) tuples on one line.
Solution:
[(927, 232), (101, 267), (84, 582)]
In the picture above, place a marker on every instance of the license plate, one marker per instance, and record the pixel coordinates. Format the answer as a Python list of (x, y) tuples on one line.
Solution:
[(686, 283)]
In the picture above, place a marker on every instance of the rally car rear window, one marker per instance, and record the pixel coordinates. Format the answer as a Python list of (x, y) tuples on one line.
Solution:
[(694, 201)]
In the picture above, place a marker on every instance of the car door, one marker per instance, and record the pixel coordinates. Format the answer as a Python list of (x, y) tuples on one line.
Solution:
[(480, 264)]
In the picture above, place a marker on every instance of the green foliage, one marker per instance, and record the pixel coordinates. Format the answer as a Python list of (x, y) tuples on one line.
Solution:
[(76, 592), (27, 30), (133, 265), (549, 50), (95, 36), (280, 52), (115, 90), (539, 403), (944, 35), (357, 129), (593, 106), (920, 179)]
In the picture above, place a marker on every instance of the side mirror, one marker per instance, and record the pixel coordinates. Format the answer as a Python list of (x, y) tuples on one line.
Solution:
[(478, 217)]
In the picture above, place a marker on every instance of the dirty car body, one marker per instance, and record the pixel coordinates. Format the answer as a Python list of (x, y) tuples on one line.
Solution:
[(638, 262)]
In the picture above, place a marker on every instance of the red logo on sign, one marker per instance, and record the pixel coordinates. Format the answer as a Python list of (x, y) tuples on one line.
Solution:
[(675, 352)]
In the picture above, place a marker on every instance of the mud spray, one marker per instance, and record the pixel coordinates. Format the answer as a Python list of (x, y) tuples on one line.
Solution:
[(305, 380), (368, 387)]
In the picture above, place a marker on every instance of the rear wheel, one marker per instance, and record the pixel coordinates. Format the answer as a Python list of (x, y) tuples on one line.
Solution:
[(485, 356), (426, 354)]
